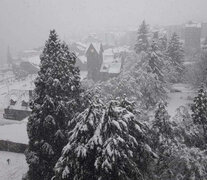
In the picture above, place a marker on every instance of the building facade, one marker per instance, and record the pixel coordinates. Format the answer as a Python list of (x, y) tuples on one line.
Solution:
[(192, 37), (94, 54)]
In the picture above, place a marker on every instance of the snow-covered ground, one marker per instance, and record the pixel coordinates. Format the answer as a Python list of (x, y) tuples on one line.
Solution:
[(14, 132), (9, 129), (15, 169), (182, 98)]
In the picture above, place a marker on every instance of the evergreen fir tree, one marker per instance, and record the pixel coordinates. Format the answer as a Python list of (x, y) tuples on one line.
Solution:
[(126, 153), (155, 60), (162, 141), (155, 35), (199, 109), (162, 43), (161, 126), (56, 100), (107, 144), (144, 83), (142, 43), (175, 53), (84, 145)]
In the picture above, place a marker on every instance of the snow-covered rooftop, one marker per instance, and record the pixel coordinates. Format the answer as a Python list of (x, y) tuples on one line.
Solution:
[(30, 51), (108, 52), (33, 60), (18, 96), (111, 64), (97, 46), (83, 59), (115, 67), (81, 46), (197, 25), (116, 50)]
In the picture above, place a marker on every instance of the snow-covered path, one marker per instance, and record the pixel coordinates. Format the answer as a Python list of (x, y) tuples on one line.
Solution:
[(15, 169), (182, 98)]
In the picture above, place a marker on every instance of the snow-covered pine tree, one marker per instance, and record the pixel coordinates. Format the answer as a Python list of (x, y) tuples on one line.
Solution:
[(142, 43), (150, 88), (155, 60), (162, 43), (175, 53), (106, 144), (125, 152), (162, 140), (161, 126), (56, 92), (84, 145), (199, 109), (168, 70), (175, 50)]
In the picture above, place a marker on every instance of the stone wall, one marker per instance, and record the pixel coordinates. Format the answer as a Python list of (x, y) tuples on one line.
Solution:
[(12, 146)]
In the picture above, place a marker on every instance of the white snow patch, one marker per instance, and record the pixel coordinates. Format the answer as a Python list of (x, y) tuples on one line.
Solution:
[(182, 98), (14, 132), (16, 168)]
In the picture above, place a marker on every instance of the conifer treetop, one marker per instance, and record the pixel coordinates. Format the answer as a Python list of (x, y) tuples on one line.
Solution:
[(142, 43)]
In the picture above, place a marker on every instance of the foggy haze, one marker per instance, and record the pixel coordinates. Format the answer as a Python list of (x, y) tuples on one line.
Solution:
[(25, 24)]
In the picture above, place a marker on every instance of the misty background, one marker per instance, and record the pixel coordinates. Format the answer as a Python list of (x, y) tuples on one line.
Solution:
[(25, 24)]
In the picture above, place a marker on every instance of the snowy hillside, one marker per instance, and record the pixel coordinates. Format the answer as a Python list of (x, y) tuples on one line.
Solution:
[(15, 169)]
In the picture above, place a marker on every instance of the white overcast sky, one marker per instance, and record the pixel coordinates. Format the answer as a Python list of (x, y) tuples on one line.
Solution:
[(26, 23)]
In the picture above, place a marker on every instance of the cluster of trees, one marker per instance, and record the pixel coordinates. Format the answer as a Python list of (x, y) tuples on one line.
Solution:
[(166, 57), (147, 73), (77, 134)]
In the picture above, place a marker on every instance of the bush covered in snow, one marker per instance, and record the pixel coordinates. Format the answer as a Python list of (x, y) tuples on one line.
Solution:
[(179, 146)]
